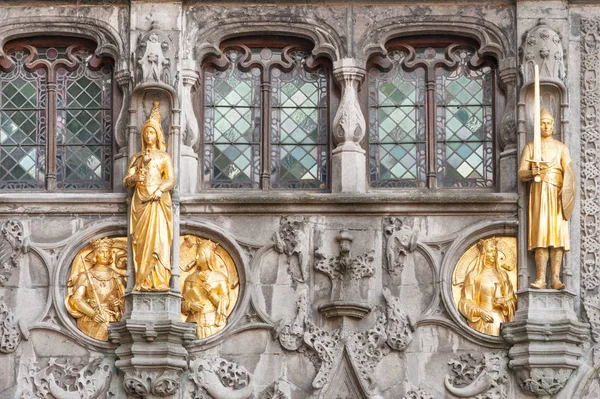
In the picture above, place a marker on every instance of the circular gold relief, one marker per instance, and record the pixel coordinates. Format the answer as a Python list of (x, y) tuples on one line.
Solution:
[(96, 285), (209, 284), (484, 283)]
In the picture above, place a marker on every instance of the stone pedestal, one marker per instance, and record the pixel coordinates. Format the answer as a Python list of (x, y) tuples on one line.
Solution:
[(188, 176), (348, 168), (151, 344), (546, 340)]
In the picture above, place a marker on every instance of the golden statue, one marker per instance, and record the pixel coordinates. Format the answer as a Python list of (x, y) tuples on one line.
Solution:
[(547, 165), (95, 288), (483, 284), (150, 172), (209, 285)]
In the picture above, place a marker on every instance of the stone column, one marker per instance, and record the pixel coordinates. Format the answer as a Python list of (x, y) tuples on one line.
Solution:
[(188, 174), (348, 171), (123, 79)]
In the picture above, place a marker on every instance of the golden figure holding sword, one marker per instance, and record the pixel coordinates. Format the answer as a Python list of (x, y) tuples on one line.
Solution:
[(546, 163)]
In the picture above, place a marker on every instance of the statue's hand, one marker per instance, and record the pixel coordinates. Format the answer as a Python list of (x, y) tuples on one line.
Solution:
[(115, 303), (157, 195), (196, 307), (486, 316), (99, 317), (535, 170), (93, 303)]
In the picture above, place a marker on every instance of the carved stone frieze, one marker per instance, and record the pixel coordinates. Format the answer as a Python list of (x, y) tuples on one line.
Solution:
[(65, 379), (399, 328), (479, 376), (543, 381), (543, 47), (590, 170), (346, 273), (291, 240), (219, 378), (418, 394), (152, 384), (401, 239), (10, 334), (13, 245), (155, 54)]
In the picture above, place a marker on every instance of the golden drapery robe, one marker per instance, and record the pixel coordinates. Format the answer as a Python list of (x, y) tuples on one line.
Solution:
[(547, 226), (82, 304), (481, 286), (151, 222)]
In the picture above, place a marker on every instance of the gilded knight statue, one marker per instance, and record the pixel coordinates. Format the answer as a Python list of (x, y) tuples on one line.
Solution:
[(551, 200), (95, 290), (150, 173)]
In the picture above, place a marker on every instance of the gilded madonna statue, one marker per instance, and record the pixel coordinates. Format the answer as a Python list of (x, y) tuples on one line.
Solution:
[(96, 287), (150, 174), (210, 286), (487, 296)]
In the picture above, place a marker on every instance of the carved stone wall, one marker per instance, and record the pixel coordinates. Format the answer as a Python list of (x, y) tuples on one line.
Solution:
[(343, 294)]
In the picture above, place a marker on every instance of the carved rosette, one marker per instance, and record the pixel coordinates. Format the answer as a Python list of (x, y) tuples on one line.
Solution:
[(349, 125)]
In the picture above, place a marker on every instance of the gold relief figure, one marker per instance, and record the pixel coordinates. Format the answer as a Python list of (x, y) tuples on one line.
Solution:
[(96, 286), (209, 285), (551, 200), (150, 173), (483, 284)]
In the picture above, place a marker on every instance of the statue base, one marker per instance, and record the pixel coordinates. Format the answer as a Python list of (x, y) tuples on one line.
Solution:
[(151, 339), (546, 339)]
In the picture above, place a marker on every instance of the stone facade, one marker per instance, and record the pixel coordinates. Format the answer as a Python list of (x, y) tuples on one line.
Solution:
[(387, 326)]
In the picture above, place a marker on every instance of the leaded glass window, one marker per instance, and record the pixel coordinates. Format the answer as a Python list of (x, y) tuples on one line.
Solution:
[(431, 118), (55, 119), (266, 119)]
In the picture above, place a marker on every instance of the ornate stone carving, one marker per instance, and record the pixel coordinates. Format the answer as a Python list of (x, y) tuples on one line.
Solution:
[(479, 376), (277, 390), (590, 170), (346, 273), (399, 329), (152, 384), (10, 334), (12, 246), (543, 46), (349, 123), (291, 335), (543, 381), (291, 240), (155, 54), (418, 394), (64, 379), (219, 378), (401, 240)]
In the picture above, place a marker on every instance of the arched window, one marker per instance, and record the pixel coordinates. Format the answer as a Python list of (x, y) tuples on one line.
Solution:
[(266, 118), (431, 117), (55, 116)]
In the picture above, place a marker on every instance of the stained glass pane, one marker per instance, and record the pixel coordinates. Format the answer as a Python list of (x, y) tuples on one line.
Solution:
[(299, 122), (397, 125), (232, 126), (464, 128), (84, 127), (22, 130)]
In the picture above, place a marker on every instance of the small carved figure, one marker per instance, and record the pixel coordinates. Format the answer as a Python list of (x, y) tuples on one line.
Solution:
[(487, 297), (206, 291), (150, 173), (551, 201), (95, 291)]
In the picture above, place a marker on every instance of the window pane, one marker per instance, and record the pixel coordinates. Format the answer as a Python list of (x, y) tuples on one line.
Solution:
[(84, 126), (464, 129), (299, 121), (22, 129), (232, 126), (397, 126)]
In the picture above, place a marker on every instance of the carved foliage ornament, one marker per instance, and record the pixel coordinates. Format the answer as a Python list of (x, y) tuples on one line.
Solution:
[(10, 335), (219, 378), (291, 240), (161, 384), (543, 47), (12, 246), (479, 376), (590, 170), (401, 240)]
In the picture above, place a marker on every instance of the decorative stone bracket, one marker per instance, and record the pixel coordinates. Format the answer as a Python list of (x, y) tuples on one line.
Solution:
[(346, 273), (546, 340)]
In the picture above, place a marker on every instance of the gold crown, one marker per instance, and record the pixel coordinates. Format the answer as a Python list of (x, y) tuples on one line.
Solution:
[(483, 241), (104, 242), (207, 244)]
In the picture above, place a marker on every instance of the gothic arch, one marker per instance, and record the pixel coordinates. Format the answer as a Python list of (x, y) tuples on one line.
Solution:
[(326, 40), (106, 37)]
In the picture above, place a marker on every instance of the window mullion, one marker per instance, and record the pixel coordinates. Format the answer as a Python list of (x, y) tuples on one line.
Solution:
[(265, 129), (430, 127), (51, 149)]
